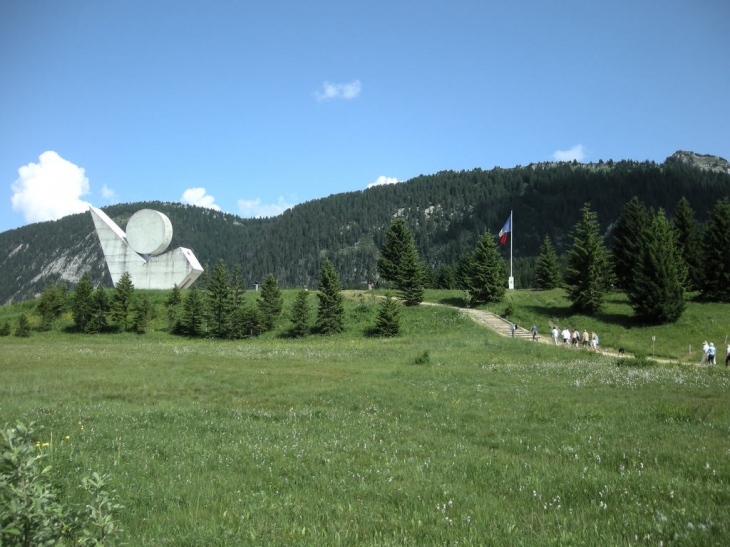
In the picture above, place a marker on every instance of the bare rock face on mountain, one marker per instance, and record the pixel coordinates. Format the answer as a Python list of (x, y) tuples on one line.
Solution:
[(706, 162)]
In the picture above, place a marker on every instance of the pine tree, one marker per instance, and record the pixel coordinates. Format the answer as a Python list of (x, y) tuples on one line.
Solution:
[(487, 277), (330, 311), (5, 328), (237, 289), (172, 303), (218, 291), (141, 314), (588, 275), (121, 301), (397, 240), (193, 316), (411, 283), (387, 323), (445, 278), (628, 240), (299, 314), (270, 303), (547, 271), (688, 241), (99, 309), (399, 264), (715, 284), (23, 328), (82, 305), (51, 305), (657, 291)]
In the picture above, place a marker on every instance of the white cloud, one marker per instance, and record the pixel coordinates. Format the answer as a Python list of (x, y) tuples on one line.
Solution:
[(197, 196), (254, 208), (49, 189), (383, 180), (576, 153), (331, 90), (108, 194)]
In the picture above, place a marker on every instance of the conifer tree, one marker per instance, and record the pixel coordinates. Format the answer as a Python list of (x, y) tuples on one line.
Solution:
[(330, 311), (51, 304), (445, 278), (399, 264), (688, 241), (547, 271), (99, 309), (588, 275), (193, 317), (387, 322), (23, 328), (715, 284), (172, 303), (141, 314), (628, 240), (237, 289), (82, 305), (218, 291), (487, 277), (121, 301), (5, 328), (270, 303), (299, 314), (657, 291)]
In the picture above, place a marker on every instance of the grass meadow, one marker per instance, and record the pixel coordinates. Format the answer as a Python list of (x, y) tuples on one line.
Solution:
[(446, 435)]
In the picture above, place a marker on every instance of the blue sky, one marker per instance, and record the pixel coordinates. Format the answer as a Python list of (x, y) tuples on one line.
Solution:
[(253, 106)]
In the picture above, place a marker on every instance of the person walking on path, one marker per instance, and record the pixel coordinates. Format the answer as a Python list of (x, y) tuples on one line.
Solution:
[(711, 355), (534, 333), (555, 334), (594, 341), (727, 357), (586, 341), (512, 328), (705, 349), (566, 336)]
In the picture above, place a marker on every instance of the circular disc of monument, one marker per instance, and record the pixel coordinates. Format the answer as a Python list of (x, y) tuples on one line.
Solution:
[(149, 232)]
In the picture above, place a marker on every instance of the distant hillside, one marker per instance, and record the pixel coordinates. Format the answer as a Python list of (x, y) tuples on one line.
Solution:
[(446, 211)]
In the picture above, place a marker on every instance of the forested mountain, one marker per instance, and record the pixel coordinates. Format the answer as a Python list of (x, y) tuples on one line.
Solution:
[(446, 212)]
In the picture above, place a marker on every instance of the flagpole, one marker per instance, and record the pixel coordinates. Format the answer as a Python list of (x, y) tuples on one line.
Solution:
[(511, 237)]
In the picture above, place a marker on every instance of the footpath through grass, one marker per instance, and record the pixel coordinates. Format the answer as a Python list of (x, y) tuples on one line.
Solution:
[(346, 441)]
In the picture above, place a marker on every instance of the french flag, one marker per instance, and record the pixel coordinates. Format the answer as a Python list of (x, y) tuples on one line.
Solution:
[(507, 228)]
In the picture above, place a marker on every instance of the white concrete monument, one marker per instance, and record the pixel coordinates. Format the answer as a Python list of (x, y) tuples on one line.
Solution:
[(139, 251)]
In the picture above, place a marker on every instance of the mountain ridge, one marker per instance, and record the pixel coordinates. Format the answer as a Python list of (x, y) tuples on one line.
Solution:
[(446, 212)]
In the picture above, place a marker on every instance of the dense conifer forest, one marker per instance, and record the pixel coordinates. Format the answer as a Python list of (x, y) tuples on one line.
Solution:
[(446, 212)]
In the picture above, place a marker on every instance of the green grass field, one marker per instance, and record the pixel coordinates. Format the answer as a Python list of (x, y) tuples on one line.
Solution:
[(345, 440)]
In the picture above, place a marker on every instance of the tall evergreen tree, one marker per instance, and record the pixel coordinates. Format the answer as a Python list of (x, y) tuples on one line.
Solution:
[(141, 314), (23, 328), (193, 317), (172, 304), (100, 308), (715, 284), (399, 264), (122, 300), (588, 275), (688, 241), (628, 240), (51, 304), (271, 302), (5, 328), (218, 291), (82, 305), (237, 289), (330, 311), (445, 278), (657, 290), (547, 271), (299, 314), (487, 276)]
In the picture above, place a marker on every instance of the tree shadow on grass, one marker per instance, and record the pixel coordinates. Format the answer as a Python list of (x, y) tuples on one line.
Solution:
[(455, 301), (626, 321)]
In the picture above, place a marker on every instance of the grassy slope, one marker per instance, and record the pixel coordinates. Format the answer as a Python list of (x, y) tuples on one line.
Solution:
[(344, 440)]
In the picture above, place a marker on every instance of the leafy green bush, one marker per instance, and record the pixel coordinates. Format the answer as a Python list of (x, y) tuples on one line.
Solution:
[(30, 511), (423, 359)]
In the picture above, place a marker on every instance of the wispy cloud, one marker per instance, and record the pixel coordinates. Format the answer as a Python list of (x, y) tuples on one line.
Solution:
[(108, 194), (197, 196), (49, 189), (383, 180), (578, 153), (253, 208), (332, 90)]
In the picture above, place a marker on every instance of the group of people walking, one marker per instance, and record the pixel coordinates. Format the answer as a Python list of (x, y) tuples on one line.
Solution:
[(709, 352), (575, 339)]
